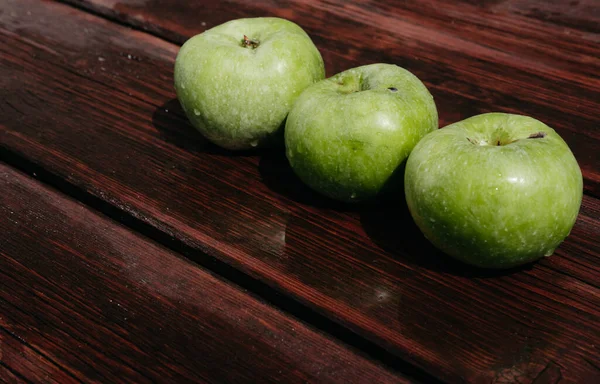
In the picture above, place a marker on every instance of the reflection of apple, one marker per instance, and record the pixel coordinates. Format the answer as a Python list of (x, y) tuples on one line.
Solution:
[(238, 81), (495, 190), (346, 135)]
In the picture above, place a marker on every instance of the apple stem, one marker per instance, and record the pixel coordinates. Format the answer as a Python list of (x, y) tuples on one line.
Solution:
[(537, 135), (249, 43)]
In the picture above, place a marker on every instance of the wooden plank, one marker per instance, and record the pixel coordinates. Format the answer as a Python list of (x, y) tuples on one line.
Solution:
[(84, 299), (473, 60), (107, 132)]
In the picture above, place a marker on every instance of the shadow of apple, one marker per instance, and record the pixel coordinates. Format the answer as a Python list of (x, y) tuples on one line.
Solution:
[(386, 221), (173, 126), (278, 175), (388, 224)]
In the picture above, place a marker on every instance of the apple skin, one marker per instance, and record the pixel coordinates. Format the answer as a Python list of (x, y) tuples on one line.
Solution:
[(490, 205), (346, 136), (238, 95)]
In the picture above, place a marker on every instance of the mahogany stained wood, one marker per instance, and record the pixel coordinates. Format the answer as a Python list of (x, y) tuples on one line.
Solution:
[(83, 299), (473, 59), (577, 14), (95, 114)]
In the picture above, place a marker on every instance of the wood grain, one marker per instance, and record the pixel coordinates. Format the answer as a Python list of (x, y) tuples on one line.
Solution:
[(20, 361), (9, 376), (577, 14), (84, 299), (92, 104)]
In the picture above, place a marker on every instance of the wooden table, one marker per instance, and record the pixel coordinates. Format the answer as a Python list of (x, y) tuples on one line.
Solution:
[(131, 250)]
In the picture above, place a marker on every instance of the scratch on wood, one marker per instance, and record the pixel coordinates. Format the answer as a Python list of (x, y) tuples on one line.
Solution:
[(13, 107), (552, 373)]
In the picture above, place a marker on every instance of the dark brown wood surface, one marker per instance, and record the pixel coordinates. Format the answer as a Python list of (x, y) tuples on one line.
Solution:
[(85, 299), (89, 105), (474, 59)]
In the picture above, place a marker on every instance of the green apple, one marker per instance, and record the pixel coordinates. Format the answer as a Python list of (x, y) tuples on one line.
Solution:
[(496, 190), (346, 136), (237, 81)]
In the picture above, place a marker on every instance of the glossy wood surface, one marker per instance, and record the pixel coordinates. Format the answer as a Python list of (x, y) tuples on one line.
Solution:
[(89, 105), (85, 299)]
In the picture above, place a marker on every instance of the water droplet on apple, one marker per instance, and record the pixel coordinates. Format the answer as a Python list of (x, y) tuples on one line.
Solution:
[(432, 219), (182, 86), (196, 112), (254, 143), (353, 195)]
